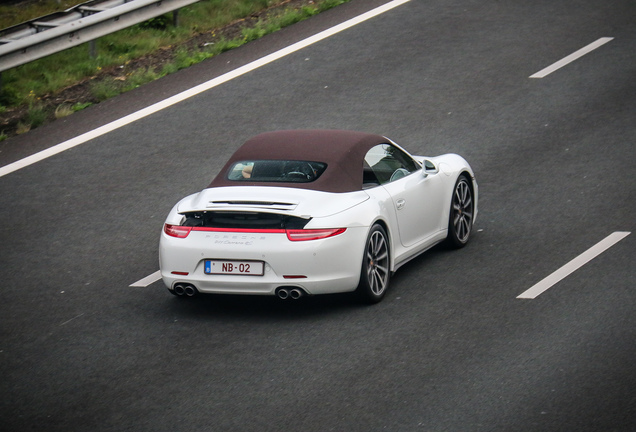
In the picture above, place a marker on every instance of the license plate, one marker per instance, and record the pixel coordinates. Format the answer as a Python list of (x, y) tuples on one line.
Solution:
[(224, 267)]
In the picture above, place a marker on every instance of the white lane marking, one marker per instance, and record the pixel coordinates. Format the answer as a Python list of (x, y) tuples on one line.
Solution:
[(574, 265), (81, 139), (569, 59), (150, 279)]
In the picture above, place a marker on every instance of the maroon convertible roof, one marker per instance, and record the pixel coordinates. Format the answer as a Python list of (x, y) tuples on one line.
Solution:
[(342, 151)]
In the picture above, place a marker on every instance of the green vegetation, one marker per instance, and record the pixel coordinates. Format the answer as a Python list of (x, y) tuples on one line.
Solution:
[(80, 106), (12, 15), (111, 73)]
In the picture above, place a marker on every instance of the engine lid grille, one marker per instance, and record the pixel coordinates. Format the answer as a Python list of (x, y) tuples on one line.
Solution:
[(227, 204)]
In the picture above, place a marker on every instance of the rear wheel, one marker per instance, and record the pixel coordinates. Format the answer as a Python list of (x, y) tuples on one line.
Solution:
[(375, 272), (460, 223)]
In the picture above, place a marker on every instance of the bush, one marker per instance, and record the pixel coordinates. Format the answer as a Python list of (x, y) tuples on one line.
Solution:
[(158, 23)]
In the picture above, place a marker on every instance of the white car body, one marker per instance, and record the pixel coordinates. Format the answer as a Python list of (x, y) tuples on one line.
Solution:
[(413, 210)]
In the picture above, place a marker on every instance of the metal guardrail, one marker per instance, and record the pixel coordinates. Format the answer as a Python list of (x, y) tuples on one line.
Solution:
[(88, 21)]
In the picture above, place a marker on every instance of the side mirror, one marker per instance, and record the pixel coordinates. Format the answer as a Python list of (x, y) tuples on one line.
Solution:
[(429, 168)]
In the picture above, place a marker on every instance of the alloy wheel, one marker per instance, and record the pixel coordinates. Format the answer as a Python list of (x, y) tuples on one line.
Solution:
[(377, 259), (462, 207)]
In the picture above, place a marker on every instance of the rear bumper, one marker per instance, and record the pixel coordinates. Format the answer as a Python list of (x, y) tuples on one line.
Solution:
[(322, 266)]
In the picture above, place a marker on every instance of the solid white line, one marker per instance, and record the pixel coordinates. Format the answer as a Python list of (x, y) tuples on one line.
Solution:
[(569, 59), (150, 279), (81, 139), (574, 265)]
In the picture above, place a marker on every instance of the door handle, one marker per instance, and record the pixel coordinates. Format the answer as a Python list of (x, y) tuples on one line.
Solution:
[(400, 204)]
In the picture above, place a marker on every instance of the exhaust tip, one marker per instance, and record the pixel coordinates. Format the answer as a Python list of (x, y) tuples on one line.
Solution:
[(179, 289), (293, 293), (190, 290), (184, 290)]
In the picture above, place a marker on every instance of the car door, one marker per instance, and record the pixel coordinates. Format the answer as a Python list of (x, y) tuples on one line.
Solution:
[(417, 197)]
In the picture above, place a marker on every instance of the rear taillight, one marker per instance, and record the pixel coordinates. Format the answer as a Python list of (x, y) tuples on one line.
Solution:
[(177, 230), (313, 234), (292, 234)]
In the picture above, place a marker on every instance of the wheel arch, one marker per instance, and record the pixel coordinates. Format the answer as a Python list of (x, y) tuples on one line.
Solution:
[(472, 183), (467, 173)]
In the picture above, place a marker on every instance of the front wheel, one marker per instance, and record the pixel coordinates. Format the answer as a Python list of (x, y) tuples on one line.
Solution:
[(375, 272), (460, 221)]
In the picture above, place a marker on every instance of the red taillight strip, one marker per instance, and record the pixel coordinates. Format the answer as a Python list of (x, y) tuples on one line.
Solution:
[(241, 230), (292, 234), (183, 231)]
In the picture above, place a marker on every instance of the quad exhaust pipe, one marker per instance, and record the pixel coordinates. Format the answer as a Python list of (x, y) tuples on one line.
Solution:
[(293, 293), (185, 290), (189, 290)]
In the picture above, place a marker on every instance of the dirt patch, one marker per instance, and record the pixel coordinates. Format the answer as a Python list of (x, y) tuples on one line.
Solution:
[(80, 93)]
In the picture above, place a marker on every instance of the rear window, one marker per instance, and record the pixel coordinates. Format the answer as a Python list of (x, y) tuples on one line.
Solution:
[(276, 171)]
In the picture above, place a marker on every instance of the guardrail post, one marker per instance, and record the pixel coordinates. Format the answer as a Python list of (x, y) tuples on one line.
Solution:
[(92, 49), (175, 18)]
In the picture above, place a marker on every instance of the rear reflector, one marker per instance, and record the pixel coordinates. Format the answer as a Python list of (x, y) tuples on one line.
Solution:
[(313, 234)]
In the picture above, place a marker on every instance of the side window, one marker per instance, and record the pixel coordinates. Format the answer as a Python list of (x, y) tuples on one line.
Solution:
[(385, 163)]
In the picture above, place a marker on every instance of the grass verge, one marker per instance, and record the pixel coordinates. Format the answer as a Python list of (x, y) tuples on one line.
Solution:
[(53, 87)]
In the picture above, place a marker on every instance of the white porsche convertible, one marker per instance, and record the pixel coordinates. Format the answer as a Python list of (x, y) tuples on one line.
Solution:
[(306, 212)]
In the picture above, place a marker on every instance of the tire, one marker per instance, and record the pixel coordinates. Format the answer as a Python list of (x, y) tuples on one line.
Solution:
[(375, 272), (460, 220)]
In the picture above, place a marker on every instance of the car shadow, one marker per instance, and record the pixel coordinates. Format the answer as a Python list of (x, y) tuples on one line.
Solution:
[(263, 307)]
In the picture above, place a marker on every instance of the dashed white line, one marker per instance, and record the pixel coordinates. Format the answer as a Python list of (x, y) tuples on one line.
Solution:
[(569, 59), (574, 265), (150, 279), (81, 139)]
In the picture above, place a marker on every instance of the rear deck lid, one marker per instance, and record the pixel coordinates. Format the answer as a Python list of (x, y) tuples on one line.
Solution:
[(279, 200)]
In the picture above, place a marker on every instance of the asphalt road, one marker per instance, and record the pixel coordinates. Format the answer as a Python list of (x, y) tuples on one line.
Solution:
[(451, 348)]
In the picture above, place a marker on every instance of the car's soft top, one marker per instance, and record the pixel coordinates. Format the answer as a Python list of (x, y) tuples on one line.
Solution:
[(342, 151)]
